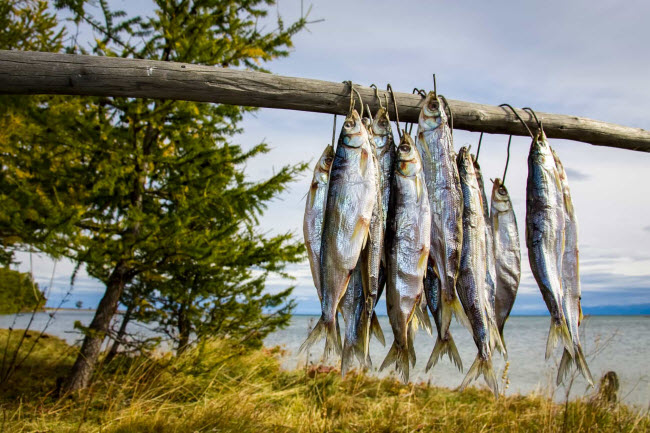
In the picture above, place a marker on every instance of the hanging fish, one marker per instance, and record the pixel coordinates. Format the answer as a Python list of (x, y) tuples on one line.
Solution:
[(434, 143), (507, 253), (350, 200), (545, 232), (490, 280), (352, 307), (472, 276), (571, 283), (407, 251), (432, 294), (312, 226)]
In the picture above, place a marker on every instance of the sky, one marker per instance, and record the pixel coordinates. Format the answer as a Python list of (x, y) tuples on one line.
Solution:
[(582, 58)]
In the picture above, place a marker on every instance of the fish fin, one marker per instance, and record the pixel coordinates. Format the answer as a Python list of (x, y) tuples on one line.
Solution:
[(445, 347), (410, 336), (457, 309), (565, 367), (312, 193), (557, 333), (496, 341), (363, 161), (375, 327), (581, 363), (423, 317), (360, 233), (484, 367), (327, 330), (418, 188)]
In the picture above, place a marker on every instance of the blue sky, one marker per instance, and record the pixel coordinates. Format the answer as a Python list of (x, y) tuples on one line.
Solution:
[(581, 58)]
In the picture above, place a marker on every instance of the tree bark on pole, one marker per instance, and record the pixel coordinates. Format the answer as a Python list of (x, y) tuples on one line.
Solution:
[(26, 72)]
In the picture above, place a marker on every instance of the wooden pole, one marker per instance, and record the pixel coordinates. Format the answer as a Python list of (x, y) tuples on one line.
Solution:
[(26, 72)]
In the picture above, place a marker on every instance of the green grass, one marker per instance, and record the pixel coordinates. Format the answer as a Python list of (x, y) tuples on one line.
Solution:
[(220, 387)]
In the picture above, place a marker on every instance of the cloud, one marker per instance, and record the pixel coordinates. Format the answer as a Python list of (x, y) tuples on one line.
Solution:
[(576, 175), (646, 228)]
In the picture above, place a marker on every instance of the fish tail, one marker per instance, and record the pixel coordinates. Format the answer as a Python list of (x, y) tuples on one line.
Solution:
[(423, 318), (443, 347), (556, 333), (351, 350), (565, 366), (484, 367), (375, 327), (324, 329), (581, 363), (400, 357)]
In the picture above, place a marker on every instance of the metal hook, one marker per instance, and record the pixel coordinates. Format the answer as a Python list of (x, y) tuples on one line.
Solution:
[(520, 119), (420, 92), (392, 94), (480, 139), (369, 113), (503, 178), (334, 131), (360, 101), (377, 96), (435, 88), (532, 112)]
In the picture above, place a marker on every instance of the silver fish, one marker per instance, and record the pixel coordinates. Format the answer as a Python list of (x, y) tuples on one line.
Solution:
[(472, 276), (352, 309), (490, 279), (545, 227), (507, 252), (312, 226), (357, 338), (382, 137), (351, 198), (432, 294), (571, 282), (407, 251), (434, 143)]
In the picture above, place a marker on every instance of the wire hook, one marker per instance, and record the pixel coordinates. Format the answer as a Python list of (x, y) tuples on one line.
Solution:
[(352, 102), (392, 94), (369, 113), (505, 170), (435, 89), (480, 139), (373, 86), (334, 131), (520, 119), (420, 92), (532, 112)]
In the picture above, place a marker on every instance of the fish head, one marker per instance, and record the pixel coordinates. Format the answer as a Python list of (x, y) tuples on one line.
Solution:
[(500, 196), (432, 114), (465, 163), (325, 162), (540, 150), (353, 133), (381, 123), (408, 158)]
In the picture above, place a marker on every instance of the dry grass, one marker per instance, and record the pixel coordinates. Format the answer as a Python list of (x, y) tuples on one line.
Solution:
[(220, 387)]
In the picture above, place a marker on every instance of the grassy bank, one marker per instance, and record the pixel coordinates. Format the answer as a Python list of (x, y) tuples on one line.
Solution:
[(221, 387)]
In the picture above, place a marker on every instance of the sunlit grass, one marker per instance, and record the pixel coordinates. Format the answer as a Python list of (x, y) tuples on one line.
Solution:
[(223, 387)]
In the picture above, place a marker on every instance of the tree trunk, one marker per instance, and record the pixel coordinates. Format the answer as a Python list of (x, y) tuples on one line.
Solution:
[(84, 366), (120, 334), (183, 330)]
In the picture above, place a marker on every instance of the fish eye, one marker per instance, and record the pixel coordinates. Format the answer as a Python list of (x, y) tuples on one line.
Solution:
[(328, 160), (434, 105), (404, 148), (349, 123), (502, 190)]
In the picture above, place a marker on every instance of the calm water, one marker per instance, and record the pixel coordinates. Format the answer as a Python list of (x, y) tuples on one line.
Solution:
[(618, 343)]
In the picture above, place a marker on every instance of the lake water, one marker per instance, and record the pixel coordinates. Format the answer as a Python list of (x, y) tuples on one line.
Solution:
[(618, 343)]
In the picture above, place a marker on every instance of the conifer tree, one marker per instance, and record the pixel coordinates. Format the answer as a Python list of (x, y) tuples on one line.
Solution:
[(154, 189)]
